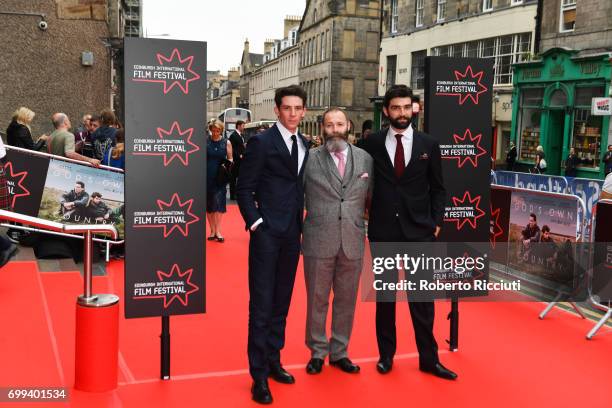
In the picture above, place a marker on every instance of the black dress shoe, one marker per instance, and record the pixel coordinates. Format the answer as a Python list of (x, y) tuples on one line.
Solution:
[(440, 371), (314, 366), (279, 374), (345, 365), (384, 365), (260, 392)]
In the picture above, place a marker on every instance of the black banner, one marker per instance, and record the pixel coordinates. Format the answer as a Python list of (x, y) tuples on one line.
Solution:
[(602, 261), (458, 98), (165, 177), (500, 224), (25, 177)]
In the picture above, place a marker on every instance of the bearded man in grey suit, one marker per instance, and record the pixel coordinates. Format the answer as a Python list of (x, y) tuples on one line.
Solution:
[(337, 182)]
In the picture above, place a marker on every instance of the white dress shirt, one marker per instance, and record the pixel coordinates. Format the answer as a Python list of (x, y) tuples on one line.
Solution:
[(344, 153), (286, 134), (391, 143)]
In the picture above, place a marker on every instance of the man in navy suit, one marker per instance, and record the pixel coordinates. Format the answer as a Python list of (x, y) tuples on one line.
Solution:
[(270, 196), (407, 206)]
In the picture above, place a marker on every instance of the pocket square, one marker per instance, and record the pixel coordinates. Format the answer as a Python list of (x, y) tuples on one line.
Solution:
[(364, 175), (424, 156)]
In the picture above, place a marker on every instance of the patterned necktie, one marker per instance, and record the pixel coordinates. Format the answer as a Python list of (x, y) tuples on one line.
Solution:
[(294, 154), (341, 163), (399, 164)]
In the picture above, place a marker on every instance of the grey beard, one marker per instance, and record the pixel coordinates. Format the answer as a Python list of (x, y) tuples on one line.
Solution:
[(335, 144)]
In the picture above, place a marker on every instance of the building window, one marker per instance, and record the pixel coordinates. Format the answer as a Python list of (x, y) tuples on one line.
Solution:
[(323, 47), (314, 16), (348, 44), (516, 2), (346, 95), (391, 67), (417, 78), (369, 91), (372, 46), (363, 3), (530, 113), (321, 93), (487, 5), (326, 92), (568, 15), (441, 16), (587, 131), (419, 13), (394, 16)]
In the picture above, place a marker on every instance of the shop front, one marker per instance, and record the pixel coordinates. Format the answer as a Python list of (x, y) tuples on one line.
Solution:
[(552, 102)]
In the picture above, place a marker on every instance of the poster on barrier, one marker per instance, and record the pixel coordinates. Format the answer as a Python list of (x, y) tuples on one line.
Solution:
[(77, 194), (500, 224), (542, 238), (602, 260), (25, 177), (165, 114)]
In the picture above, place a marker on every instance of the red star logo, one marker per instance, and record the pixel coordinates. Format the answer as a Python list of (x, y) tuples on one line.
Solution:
[(175, 57), (175, 274), (468, 75), (176, 204), (17, 179), (175, 133), (496, 229), (467, 199), (476, 141)]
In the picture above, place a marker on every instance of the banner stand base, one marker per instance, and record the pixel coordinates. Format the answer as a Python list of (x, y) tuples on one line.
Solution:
[(165, 348)]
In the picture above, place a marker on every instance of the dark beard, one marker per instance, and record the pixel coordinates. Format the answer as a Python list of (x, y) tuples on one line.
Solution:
[(399, 125)]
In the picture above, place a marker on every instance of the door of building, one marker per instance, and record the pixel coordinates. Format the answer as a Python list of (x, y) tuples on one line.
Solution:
[(556, 132)]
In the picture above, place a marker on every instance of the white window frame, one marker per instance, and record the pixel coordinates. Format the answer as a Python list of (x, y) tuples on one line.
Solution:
[(487, 5), (516, 2), (566, 5), (420, 6), (394, 16), (441, 11)]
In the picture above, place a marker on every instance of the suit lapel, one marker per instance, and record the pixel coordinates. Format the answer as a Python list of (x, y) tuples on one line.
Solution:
[(417, 149), (281, 146), (306, 154), (329, 169), (382, 156), (350, 164)]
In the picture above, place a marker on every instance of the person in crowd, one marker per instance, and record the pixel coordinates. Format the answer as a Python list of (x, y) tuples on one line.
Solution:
[(529, 235), (540, 162), (571, 163), (115, 155), (18, 132), (352, 140), (407, 206), (82, 137), (7, 248), (61, 141), (606, 190), (336, 185), (238, 149), (105, 136), (97, 209), (74, 202), (511, 157), (607, 160), (270, 196), (219, 158), (366, 129)]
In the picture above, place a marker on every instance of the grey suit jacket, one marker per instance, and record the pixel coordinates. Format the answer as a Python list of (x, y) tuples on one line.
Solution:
[(335, 207)]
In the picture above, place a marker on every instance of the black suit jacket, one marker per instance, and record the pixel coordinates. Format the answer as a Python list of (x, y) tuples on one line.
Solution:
[(238, 148), (415, 201), (267, 187)]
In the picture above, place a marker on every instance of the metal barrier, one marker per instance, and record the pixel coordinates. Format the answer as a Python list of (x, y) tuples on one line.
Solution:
[(97, 316), (594, 302), (579, 236)]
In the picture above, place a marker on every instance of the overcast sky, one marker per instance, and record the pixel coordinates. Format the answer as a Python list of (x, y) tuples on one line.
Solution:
[(223, 24)]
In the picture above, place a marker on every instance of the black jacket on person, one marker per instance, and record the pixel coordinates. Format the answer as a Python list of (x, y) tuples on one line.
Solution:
[(570, 165), (415, 201), (238, 148), (19, 135)]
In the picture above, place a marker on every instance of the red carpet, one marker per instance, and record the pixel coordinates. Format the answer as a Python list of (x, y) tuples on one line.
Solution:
[(507, 356)]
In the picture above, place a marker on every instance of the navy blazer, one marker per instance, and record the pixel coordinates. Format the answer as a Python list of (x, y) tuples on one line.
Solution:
[(417, 199), (267, 187)]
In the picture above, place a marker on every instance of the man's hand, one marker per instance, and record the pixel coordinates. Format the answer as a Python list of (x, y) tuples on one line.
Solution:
[(44, 137), (437, 232), (94, 162)]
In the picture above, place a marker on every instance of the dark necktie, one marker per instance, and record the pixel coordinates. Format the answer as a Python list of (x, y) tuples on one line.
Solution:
[(294, 154), (399, 163)]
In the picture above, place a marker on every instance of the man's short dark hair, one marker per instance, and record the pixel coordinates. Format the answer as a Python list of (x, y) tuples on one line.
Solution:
[(534, 216), (95, 118), (240, 122), (80, 183), (96, 194), (367, 125), (545, 228), (397, 91), (291, 90)]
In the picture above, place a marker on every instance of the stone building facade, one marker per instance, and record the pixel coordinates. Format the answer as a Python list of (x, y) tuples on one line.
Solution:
[(338, 42)]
